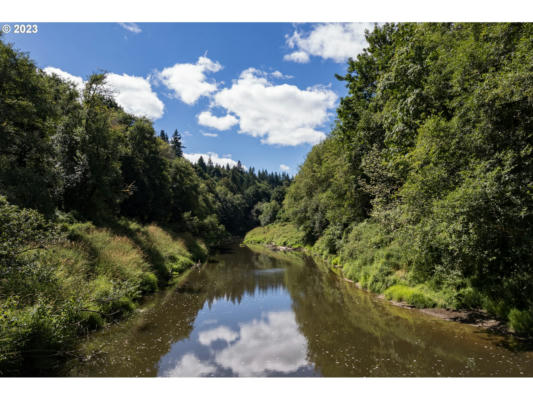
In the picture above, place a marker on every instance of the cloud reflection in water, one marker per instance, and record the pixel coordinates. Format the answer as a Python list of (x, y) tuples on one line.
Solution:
[(261, 347), (219, 333), (190, 365)]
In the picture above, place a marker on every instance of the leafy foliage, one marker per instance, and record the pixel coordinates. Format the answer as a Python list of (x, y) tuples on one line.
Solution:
[(82, 186), (427, 176), (81, 153)]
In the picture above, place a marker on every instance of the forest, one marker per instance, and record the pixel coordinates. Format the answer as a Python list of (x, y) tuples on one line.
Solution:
[(422, 191), (96, 210)]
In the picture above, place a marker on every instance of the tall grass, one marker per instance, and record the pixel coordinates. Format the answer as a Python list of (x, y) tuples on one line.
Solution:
[(279, 234), (94, 276)]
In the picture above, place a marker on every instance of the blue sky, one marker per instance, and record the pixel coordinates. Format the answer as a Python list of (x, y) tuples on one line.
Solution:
[(261, 93)]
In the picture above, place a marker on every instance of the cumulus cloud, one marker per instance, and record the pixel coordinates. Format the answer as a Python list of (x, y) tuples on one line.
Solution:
[(188, 81), (280, 75), (130, 26), (221, 123), (135, 95), (297, 56), (222, 161), (336, 41), (284, 167), (76, 80), (278, 114)]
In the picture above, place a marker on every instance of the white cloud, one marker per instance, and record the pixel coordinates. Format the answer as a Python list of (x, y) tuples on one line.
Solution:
[(190, 365), (279, 75), (130, 26), (278, 114), (188, 81), (221, 123), (219, 333), (76, 80), (209, 134), (332, 40), (135, 95), (284, 167), (297, 56), (222, 161)]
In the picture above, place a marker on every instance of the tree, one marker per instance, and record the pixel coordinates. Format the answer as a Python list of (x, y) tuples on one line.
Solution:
[(145, 173), (28, 116), (100, 189), (431, 156), (176, 144)]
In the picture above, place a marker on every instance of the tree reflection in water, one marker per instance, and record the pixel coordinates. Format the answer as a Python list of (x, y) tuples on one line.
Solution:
[(261, 313)]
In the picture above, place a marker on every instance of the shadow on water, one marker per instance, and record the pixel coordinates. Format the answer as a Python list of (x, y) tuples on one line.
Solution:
[(255, 312), (512, 343)]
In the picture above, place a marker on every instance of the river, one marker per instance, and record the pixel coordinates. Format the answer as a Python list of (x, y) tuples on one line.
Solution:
[(254, 312)]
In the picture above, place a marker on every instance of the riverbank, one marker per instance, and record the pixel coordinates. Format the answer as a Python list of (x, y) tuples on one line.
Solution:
[(87, 278), (251, 311), (286, 237)]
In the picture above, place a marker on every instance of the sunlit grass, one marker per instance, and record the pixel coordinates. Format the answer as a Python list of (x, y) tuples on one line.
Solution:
[(276, 234), (411, 295), (97, 275)]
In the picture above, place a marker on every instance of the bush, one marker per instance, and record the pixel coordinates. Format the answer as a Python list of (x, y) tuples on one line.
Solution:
[(91, 321), (267, 212), (209, 228), (117, 307), (468, 298), (181, 264), (35, 339), (330, 242), (148, 283), (521, 321)]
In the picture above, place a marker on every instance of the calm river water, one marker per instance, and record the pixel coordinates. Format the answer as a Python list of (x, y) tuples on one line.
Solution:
[(253, 312)]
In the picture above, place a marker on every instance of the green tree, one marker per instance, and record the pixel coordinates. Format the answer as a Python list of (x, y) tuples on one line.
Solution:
[(176, 144)]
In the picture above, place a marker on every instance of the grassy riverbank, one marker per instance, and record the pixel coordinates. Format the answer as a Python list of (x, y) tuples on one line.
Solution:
[(83, 279), (377, 264), (374, 268)]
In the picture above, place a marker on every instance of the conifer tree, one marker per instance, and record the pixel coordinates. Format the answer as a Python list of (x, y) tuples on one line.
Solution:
[(176, 144)]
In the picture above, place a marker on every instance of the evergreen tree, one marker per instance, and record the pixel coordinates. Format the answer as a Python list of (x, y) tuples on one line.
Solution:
[(201, 164), (176, 144)]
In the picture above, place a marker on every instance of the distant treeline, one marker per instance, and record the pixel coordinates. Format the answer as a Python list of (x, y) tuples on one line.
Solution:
[(424, 188), (81, 153)]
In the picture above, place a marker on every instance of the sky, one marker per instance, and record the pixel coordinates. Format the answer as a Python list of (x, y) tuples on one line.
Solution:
[(259, 93)]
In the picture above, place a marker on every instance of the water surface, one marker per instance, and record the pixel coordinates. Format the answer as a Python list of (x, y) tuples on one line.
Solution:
[(253, 312)]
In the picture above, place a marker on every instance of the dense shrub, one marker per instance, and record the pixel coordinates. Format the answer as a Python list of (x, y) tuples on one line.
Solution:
[(521, 321)]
